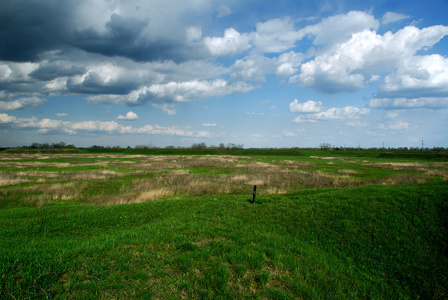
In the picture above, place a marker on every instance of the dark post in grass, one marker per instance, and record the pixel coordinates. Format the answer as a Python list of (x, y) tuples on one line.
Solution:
[(255, 193)]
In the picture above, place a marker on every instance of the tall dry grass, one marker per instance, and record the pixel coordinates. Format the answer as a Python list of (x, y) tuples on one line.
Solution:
[(150, 177)]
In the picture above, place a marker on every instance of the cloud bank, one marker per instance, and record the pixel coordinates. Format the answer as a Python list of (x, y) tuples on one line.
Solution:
[(50, 126), (127, 54), (166, 53)]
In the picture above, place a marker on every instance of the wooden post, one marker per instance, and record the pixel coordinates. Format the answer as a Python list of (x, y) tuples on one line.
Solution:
[(255, 193)]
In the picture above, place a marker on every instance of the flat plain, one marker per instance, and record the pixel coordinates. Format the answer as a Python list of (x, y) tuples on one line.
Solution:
[(170, 225)]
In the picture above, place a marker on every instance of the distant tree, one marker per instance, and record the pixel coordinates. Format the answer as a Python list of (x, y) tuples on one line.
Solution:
[(232, 146), (439, 149), (325, 146), (59, 145), (199, 146)]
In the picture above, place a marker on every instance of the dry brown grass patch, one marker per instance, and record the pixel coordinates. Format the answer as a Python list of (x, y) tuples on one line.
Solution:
[(180, 172), (152, 195), (327, 157), (92, 175), (127, 198), (256, 182), (347, 172), (401, 179), (157, 176), (239, 179), (12, 181), (298, 164), (437, 172), (273, 191), (398, 166)]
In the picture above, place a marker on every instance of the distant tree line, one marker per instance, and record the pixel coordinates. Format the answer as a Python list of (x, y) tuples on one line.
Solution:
[(221, 146), (233, 146), (60, 145), (328, 146)]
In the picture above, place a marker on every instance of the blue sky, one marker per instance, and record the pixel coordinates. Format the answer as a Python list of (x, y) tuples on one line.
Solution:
[(258, 73)]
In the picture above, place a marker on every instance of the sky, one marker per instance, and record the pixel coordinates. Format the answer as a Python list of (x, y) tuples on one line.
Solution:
[(284, 73)]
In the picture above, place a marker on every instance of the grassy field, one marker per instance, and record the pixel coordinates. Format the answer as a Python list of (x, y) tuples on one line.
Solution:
[(127, 224)]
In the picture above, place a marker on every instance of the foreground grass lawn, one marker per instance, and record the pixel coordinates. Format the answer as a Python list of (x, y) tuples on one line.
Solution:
[(380, 242)]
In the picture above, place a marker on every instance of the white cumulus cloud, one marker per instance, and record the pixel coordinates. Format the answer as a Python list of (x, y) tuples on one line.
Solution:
[(47, 126), (192, 90), (252, 68), (130, 116), (285, 70), (340, 28), (307, 107), (314, 112), (334, 113), (20, 103), (288, 64), (5, 118), (348, 66), (420, 75), (232, 42), (162, 96), (275, 35)]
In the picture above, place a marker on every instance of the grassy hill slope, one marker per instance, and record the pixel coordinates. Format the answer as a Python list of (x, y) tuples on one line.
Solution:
[(362, 242)]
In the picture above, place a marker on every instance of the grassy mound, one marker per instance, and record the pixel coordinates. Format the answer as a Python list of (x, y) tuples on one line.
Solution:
[(352, 243)]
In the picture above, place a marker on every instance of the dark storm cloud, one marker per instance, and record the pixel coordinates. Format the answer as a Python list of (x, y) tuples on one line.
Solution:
[(112, 45), (120, 38), (28, 28), (126, 37), (50, 71)]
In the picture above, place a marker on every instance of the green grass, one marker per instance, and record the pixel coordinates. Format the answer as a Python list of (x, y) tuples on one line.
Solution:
[(380, 242), (294, 152), (314, 242)]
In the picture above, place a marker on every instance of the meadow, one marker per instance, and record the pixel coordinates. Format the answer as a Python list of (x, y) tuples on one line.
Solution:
[(180, 224)]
